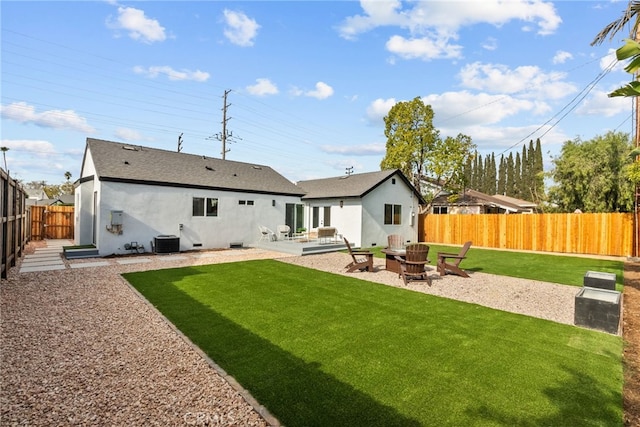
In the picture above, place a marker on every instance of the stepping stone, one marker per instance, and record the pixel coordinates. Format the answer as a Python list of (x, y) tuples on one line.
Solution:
[(90, 264), (172, 258), (133, 261), (41, 268), (27, 263)]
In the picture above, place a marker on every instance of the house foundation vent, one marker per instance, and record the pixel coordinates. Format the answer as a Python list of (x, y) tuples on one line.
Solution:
[(166, 244)]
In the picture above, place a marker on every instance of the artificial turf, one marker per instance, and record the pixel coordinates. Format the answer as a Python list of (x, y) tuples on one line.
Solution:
[(319, 349), (562, 269)]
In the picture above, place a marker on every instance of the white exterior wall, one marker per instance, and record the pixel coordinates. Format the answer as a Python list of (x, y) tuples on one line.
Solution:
[(346, 219), (149, 211), (83, 231), (374, 230)]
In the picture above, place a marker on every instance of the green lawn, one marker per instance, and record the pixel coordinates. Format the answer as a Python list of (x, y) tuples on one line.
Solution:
[(566, 270), (319, 349)]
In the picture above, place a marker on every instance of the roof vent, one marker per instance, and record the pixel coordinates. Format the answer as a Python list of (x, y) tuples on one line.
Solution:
[(209, 168), (126, 162), (130, 148), (257, 167)]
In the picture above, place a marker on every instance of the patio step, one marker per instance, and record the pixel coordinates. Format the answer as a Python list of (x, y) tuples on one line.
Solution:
[(300, 248), (80, 253)]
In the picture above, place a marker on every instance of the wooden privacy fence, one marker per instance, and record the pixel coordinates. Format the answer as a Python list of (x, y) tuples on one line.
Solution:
[(52, 222), (14, 226), (593, 234)]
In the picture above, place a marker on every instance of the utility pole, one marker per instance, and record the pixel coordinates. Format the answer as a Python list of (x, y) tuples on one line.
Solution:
[(349, 171), (636, 199), (225, 136)]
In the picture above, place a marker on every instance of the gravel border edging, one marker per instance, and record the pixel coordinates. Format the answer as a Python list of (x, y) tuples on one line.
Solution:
[(269, 418)]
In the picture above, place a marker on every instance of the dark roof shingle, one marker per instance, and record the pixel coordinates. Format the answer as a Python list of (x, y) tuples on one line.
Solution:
[(123, 162), (356, 185)]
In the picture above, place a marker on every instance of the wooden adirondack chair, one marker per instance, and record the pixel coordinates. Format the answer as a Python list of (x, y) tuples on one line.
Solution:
[(413, 265), (395, 241), (454, 265), (362, 260)]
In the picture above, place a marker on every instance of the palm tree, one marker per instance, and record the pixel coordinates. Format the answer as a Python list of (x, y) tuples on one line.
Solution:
[(4, 155), (631, 14)]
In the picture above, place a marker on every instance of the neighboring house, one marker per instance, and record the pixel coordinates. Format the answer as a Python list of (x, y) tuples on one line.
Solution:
[(63, 200), (37, 197), (475, 202), (128, 193), (365, 208)]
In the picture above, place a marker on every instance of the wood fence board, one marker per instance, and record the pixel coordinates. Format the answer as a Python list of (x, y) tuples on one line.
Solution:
[(587, 233), (52, 222)]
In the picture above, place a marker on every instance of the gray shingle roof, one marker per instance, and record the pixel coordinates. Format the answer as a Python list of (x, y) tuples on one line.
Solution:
[(356, 185), (122, 162)]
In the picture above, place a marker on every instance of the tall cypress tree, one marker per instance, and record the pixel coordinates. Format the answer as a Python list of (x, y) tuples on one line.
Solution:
[(510, 176), (538, 168), (524, 174), (491, 175), (517, 177), (502, 176)]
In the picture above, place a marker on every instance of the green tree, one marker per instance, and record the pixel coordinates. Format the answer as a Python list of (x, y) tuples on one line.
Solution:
[(490, 175), (67, 187), (538, 174), (415, 147), (517, 177), (592, 175), (502, 176), (411, 137), (510, 176)]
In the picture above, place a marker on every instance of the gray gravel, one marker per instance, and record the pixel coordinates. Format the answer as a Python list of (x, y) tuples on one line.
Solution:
[(80, 347)]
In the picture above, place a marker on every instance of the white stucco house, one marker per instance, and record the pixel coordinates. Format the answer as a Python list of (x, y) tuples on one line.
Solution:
[(365, 208), (129, 193)]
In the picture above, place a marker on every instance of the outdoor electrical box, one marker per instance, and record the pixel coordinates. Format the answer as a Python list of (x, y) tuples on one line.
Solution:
[(116, 217)]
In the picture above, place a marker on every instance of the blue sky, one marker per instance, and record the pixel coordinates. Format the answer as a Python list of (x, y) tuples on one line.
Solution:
[(309, 81)]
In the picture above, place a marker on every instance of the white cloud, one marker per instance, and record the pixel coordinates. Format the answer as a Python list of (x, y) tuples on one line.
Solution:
[(322, 91), (156, 70), (561, 57), (423, 48), (263, 87), (464, 109), (431, 26), (599, 104), (56, 119), (240, 30), (378, 109), (127, 134), (373, 149), (38, 148), (610, 61), (526, 81), (138, 26), (490, 44)]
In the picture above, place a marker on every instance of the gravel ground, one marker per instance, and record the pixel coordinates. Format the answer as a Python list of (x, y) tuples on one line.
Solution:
[(80, 347)]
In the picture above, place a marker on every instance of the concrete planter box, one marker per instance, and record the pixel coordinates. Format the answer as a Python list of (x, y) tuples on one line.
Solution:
[(597, 279), (598, 309)]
